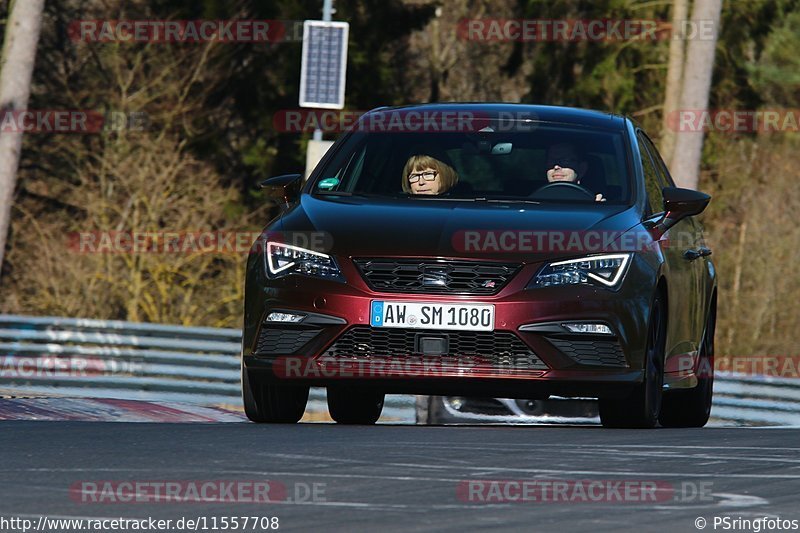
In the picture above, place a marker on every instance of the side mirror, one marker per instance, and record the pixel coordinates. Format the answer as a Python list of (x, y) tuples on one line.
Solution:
[(285, 188), (681, 203), (684, 202)]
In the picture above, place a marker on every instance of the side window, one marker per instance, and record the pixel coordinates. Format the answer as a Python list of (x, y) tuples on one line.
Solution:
[(661, 167), (664, 177), (341, 173), (652, 181)]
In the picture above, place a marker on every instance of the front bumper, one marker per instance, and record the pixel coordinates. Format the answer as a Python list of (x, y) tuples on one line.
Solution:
[(527, 356)]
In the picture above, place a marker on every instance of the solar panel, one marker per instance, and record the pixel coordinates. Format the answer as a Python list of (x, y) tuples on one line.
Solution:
[(322, 75)]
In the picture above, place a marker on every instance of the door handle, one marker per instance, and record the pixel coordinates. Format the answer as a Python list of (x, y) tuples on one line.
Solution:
[(691, 255)]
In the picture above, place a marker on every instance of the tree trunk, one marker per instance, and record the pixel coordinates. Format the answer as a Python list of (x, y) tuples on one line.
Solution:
[(19, 55), (672, 94), (694, 94)]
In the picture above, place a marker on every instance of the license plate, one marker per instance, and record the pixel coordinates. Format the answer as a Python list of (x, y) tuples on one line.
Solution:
[(422, 315)]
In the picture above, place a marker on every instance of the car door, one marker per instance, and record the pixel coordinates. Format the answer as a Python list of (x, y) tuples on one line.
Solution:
[(681, 272), (692, 241)]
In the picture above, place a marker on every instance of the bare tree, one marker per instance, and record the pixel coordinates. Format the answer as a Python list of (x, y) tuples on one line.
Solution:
[(672, 94), (128, 179), (696, 85), (19, 56), (460, 69)]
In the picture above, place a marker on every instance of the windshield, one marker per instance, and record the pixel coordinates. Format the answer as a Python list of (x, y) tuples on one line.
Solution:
[(548, 163)]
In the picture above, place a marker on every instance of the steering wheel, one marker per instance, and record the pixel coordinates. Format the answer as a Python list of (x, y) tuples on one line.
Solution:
[(562, 189)]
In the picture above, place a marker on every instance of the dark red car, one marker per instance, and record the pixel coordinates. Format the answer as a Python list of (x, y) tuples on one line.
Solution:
[(487, 250)]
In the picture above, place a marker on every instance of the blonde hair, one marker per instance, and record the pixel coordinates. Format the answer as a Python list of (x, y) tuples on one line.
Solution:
[(416, 163)]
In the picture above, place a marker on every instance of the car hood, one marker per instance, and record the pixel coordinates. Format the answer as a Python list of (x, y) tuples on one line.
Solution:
[(356, 227)]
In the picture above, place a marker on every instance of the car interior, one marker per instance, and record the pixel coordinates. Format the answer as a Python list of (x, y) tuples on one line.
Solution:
[(489, 165)]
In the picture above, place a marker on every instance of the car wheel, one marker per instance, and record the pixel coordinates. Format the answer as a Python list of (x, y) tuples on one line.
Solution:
[(690, 408), (266, 401), (641, 408), (348, 405)]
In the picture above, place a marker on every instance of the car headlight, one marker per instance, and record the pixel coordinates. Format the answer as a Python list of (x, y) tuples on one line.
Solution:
[(284, 259), (601, 270)]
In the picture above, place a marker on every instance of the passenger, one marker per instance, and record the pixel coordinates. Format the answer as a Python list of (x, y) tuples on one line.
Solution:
[(564, 164), (424, 174)]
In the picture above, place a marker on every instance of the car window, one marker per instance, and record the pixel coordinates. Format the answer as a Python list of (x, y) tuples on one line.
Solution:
[(661, 167), (486, 164), (652, 180)]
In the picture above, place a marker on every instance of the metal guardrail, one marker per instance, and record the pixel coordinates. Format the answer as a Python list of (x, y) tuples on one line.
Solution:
[(132, 360), (115, 359), (201, 365), (755, 399)]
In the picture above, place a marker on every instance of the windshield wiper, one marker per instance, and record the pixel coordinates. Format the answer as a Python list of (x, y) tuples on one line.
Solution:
[(350, 194), (341, 193), (333, 193), (507, 200)]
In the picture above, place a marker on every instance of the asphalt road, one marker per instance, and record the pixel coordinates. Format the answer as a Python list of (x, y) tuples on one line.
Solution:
[(399, 478)]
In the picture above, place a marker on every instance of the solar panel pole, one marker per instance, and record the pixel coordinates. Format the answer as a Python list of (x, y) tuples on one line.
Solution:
[(327, 13), (323, 73)]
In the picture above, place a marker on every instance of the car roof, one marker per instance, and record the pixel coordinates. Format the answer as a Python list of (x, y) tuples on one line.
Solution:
[(543, 113)]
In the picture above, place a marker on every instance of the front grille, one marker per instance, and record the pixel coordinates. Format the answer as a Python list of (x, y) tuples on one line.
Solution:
[(591, 352), (283, 341), (436, 277), (467, 348)]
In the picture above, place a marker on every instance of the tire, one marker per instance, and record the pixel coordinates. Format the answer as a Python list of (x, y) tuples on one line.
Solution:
[(690, 408), (641, 408), (266, 401), (348, 405)]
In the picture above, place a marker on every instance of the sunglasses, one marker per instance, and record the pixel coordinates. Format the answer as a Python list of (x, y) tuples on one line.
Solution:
[(565, 162)]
